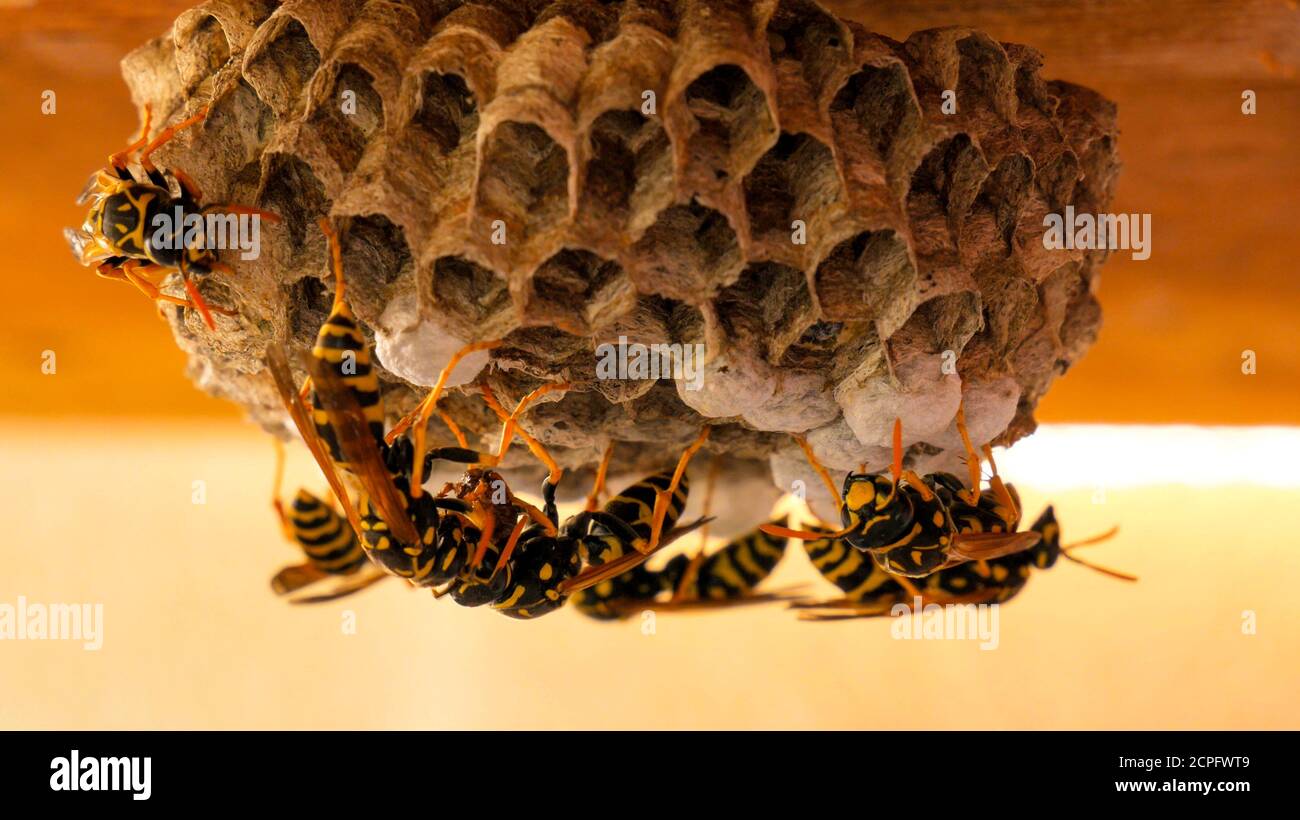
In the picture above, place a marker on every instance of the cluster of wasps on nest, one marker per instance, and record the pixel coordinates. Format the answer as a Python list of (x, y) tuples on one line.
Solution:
[(903, 537)]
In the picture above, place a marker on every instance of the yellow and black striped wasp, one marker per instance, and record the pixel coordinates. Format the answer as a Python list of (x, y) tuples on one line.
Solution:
[(136, 227), (725, 578), (405, 533), (467, 543), (871, 591), (914, 526), (597, 547), (328, 542)]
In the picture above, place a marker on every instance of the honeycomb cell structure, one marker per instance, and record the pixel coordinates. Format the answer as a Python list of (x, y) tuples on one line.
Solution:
[(847, 228)]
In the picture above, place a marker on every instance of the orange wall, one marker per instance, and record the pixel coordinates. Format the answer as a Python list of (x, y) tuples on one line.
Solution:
[(1222, 189)]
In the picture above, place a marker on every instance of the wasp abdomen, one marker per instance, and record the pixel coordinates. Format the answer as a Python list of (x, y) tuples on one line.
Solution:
[(635, 507), (341, 345), (734, 570), (325, 536), (854, 572)]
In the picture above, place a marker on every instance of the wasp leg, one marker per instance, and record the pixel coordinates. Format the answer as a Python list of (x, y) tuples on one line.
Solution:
[(598, 486), (611, 569), (130, 272), (486, 531), (534, 446), (692, 571), (336, 263), (1114, 573), (166, 136), (897, 466), (454, 428), (509, 548), (662, 496), (512, 425), (548, 501), (119, 160), (246, 210), (424, 410), (197, 298), (971, 496), (918, 484), (1095, 539), (542, 519), (620, 528), (454, 505), (785, 594), (277, 485), (188, 185), (820, 470), (1002, 490), (118, 272)]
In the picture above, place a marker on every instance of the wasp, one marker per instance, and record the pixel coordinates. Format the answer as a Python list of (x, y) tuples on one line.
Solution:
[(726, 577), (136, 227), (913, 526), (546, 566), (871, 591), (340, 414), (328, 542), (467, 542)]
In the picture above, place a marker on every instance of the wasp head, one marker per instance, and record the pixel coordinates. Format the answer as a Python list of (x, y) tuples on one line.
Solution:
[(1045, 553), (875, 508)]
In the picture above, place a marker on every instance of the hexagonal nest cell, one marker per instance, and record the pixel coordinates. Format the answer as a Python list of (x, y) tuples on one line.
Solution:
[(847, 239)]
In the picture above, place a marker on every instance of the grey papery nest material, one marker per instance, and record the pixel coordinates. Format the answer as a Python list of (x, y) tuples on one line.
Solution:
[(420, 127)]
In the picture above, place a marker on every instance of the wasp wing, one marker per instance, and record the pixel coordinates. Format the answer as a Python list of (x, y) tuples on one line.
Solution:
[(278, 364), (294, 578), (594, 575), (984, 546), (349, 587), (78, 240), (631, 605), (362, 451), (843, 609)]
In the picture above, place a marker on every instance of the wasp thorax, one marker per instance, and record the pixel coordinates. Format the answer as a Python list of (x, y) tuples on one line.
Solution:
[(878, 512)]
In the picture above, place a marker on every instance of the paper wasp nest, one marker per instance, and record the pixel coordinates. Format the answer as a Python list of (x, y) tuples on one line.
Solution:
[(851, 226)]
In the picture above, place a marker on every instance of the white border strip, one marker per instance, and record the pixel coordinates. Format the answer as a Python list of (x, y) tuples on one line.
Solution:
[(1086, 455)]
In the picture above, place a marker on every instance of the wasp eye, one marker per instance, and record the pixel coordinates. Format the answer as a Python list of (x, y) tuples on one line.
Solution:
[(885, 493), (859, 494)]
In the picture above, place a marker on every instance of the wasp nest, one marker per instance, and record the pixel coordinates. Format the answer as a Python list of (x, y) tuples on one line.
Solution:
[(850, 225)]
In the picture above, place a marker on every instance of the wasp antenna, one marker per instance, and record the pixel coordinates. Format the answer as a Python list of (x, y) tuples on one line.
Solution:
[(896, 467), (1114, 573), (336, 259), (1096, 539)]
